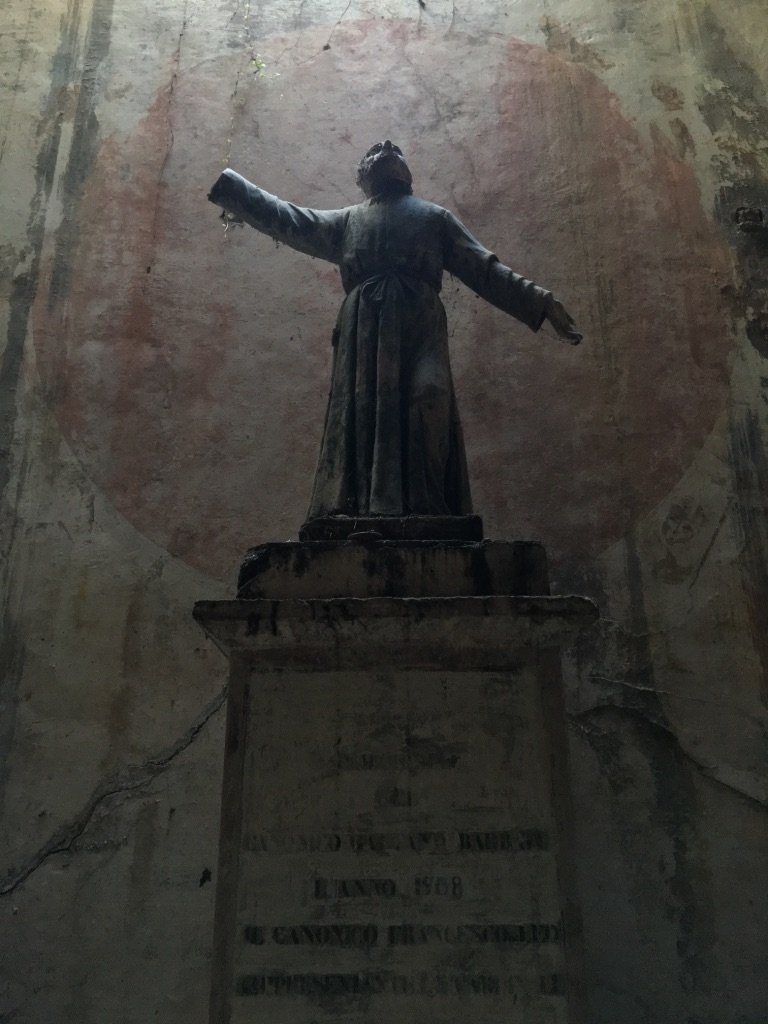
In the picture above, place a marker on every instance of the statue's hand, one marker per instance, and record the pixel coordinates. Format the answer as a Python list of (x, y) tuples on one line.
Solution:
[(231, 220), (562, 320)]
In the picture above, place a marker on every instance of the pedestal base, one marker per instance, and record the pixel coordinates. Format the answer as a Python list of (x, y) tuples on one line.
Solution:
[(395, 813), (371, 567)]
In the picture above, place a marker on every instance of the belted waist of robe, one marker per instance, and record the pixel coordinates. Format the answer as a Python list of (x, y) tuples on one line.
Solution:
[(390, 289), (406, 277), (407, 268)]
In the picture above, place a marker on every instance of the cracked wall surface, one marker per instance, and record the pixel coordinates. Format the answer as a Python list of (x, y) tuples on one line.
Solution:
[(162, 389)]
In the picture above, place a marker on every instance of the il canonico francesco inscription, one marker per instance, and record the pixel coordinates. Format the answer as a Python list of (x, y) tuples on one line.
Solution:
[(394, 851)]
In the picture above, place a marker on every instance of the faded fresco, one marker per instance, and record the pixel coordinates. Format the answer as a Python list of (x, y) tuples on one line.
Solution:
[(162, 391)]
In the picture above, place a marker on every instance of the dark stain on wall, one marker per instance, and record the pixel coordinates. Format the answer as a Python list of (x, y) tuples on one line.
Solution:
[(734, 106), (749, 464), (674, 805), (646, 769), (683, 138), (12, 656), (25, 285), (740, 207), (63, 69), (22, 294), (24, 288), (676, 813), (658, 784), (84, 149)]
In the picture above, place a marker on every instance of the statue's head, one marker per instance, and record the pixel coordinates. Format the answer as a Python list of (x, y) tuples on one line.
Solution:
[(384, 171)]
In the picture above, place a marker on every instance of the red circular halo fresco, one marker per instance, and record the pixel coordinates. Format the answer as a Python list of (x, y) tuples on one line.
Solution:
[(189, 370)]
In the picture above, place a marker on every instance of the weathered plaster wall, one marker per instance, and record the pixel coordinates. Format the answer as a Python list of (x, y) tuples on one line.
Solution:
[(162, 389)]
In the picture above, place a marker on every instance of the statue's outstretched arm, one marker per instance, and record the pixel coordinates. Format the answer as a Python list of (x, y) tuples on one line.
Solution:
[(315, 232), (482, 271)]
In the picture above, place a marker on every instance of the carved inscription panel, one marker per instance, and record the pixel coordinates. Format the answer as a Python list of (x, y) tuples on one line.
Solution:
[(396, 852)]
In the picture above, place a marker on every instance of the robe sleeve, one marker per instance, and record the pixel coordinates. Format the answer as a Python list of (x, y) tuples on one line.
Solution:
[(482, 271), (315, 232)]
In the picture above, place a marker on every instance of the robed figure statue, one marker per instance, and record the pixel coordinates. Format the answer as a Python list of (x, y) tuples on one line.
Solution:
[(392, 443)]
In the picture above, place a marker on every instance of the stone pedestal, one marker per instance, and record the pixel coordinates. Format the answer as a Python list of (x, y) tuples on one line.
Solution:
[(394, 838)]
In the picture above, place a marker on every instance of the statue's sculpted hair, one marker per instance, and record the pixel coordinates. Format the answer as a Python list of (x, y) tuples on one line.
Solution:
[(394, 186)]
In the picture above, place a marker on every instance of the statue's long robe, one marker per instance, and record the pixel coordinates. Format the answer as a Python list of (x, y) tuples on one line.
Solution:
[(392, 443)]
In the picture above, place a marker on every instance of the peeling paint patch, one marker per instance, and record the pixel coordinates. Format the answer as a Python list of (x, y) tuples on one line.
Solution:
[(683, 138), (561, 41), (667, 95)]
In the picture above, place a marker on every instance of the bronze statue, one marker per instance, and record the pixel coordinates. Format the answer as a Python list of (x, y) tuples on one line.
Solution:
[(392, 443)]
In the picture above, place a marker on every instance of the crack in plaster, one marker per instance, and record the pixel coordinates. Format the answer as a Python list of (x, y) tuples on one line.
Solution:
[(343, 16), (131, 779), (442, 120), (707, 550), (232, 98), (707, 771), (630, 634), (596, 678), (327, 44), (298, 27), (236, 86)]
